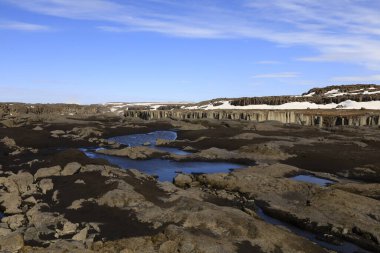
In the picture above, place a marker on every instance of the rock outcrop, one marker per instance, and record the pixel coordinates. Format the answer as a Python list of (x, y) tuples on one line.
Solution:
[(323, 210), (301, 117), (134, 153)]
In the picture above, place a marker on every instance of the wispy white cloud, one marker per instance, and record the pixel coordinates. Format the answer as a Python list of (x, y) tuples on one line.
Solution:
[(278, 75), (114, 29), (344, 30), (21, 26), (357, 79)]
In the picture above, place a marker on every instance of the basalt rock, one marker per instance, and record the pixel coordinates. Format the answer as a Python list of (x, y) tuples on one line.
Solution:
[(11, 243), (368, 190), (86, 132), (14, 221), (154, 217), (46, 185), (183, 181), (320, 118), (48, 172), (10, 198), (71, 169), (134, 152), (323, 210)]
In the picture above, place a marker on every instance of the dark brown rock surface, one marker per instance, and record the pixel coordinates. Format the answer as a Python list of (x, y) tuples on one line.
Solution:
[(56, 199)]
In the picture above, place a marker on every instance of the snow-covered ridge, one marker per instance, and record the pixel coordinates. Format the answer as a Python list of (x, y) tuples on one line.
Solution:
[(348, 104), (353, 97), (344, 90), (333, 97)]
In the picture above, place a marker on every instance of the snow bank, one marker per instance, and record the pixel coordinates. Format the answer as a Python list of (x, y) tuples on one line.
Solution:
[(348, 104)]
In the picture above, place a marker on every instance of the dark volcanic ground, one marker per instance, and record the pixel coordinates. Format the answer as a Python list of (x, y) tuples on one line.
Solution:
[(56, 199)]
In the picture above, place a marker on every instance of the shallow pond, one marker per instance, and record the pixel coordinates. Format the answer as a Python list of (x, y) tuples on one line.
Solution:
[(313, 179), (165, 169)]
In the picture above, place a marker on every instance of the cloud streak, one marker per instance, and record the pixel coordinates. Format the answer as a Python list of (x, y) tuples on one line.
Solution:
[(21, 26), (342, 31), (277, 75), (357, 79)]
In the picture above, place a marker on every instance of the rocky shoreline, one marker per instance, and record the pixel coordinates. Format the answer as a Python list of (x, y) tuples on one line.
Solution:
[(56, 199)]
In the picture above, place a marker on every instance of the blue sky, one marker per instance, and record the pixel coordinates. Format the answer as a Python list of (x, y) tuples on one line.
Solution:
[(95, 51)]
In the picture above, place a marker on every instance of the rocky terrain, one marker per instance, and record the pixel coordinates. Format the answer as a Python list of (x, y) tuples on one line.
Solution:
[(54, 197)]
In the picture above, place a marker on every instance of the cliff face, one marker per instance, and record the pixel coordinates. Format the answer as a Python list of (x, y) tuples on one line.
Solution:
[(304, 117)]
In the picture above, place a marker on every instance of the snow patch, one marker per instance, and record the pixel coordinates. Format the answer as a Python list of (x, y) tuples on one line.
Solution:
[(309, 95), (348, 104), (332, 92)]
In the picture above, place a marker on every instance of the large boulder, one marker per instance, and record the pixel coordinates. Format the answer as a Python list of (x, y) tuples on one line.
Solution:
[(183, 180), (121, 197), (46, 185), (86, 132), (71, 169), (11, 201), (48, 172), (5, 231), (68, 228), (44, 222), (81, 235), (24, 181), (10, 198), (9, 142), (14, 221), (11, 243)]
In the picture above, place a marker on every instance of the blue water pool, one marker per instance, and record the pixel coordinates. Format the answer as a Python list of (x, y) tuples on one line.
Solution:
[(164, 169)]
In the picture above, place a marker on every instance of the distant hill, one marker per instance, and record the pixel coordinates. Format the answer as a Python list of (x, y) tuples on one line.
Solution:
[(338, 96), (356, 96)]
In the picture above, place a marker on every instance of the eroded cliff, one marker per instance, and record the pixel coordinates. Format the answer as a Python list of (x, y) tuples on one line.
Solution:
[(302, 117)]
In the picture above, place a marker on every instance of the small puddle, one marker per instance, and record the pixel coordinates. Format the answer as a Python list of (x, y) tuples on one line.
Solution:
[(313, 179), (344, 247), (166, 170)]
